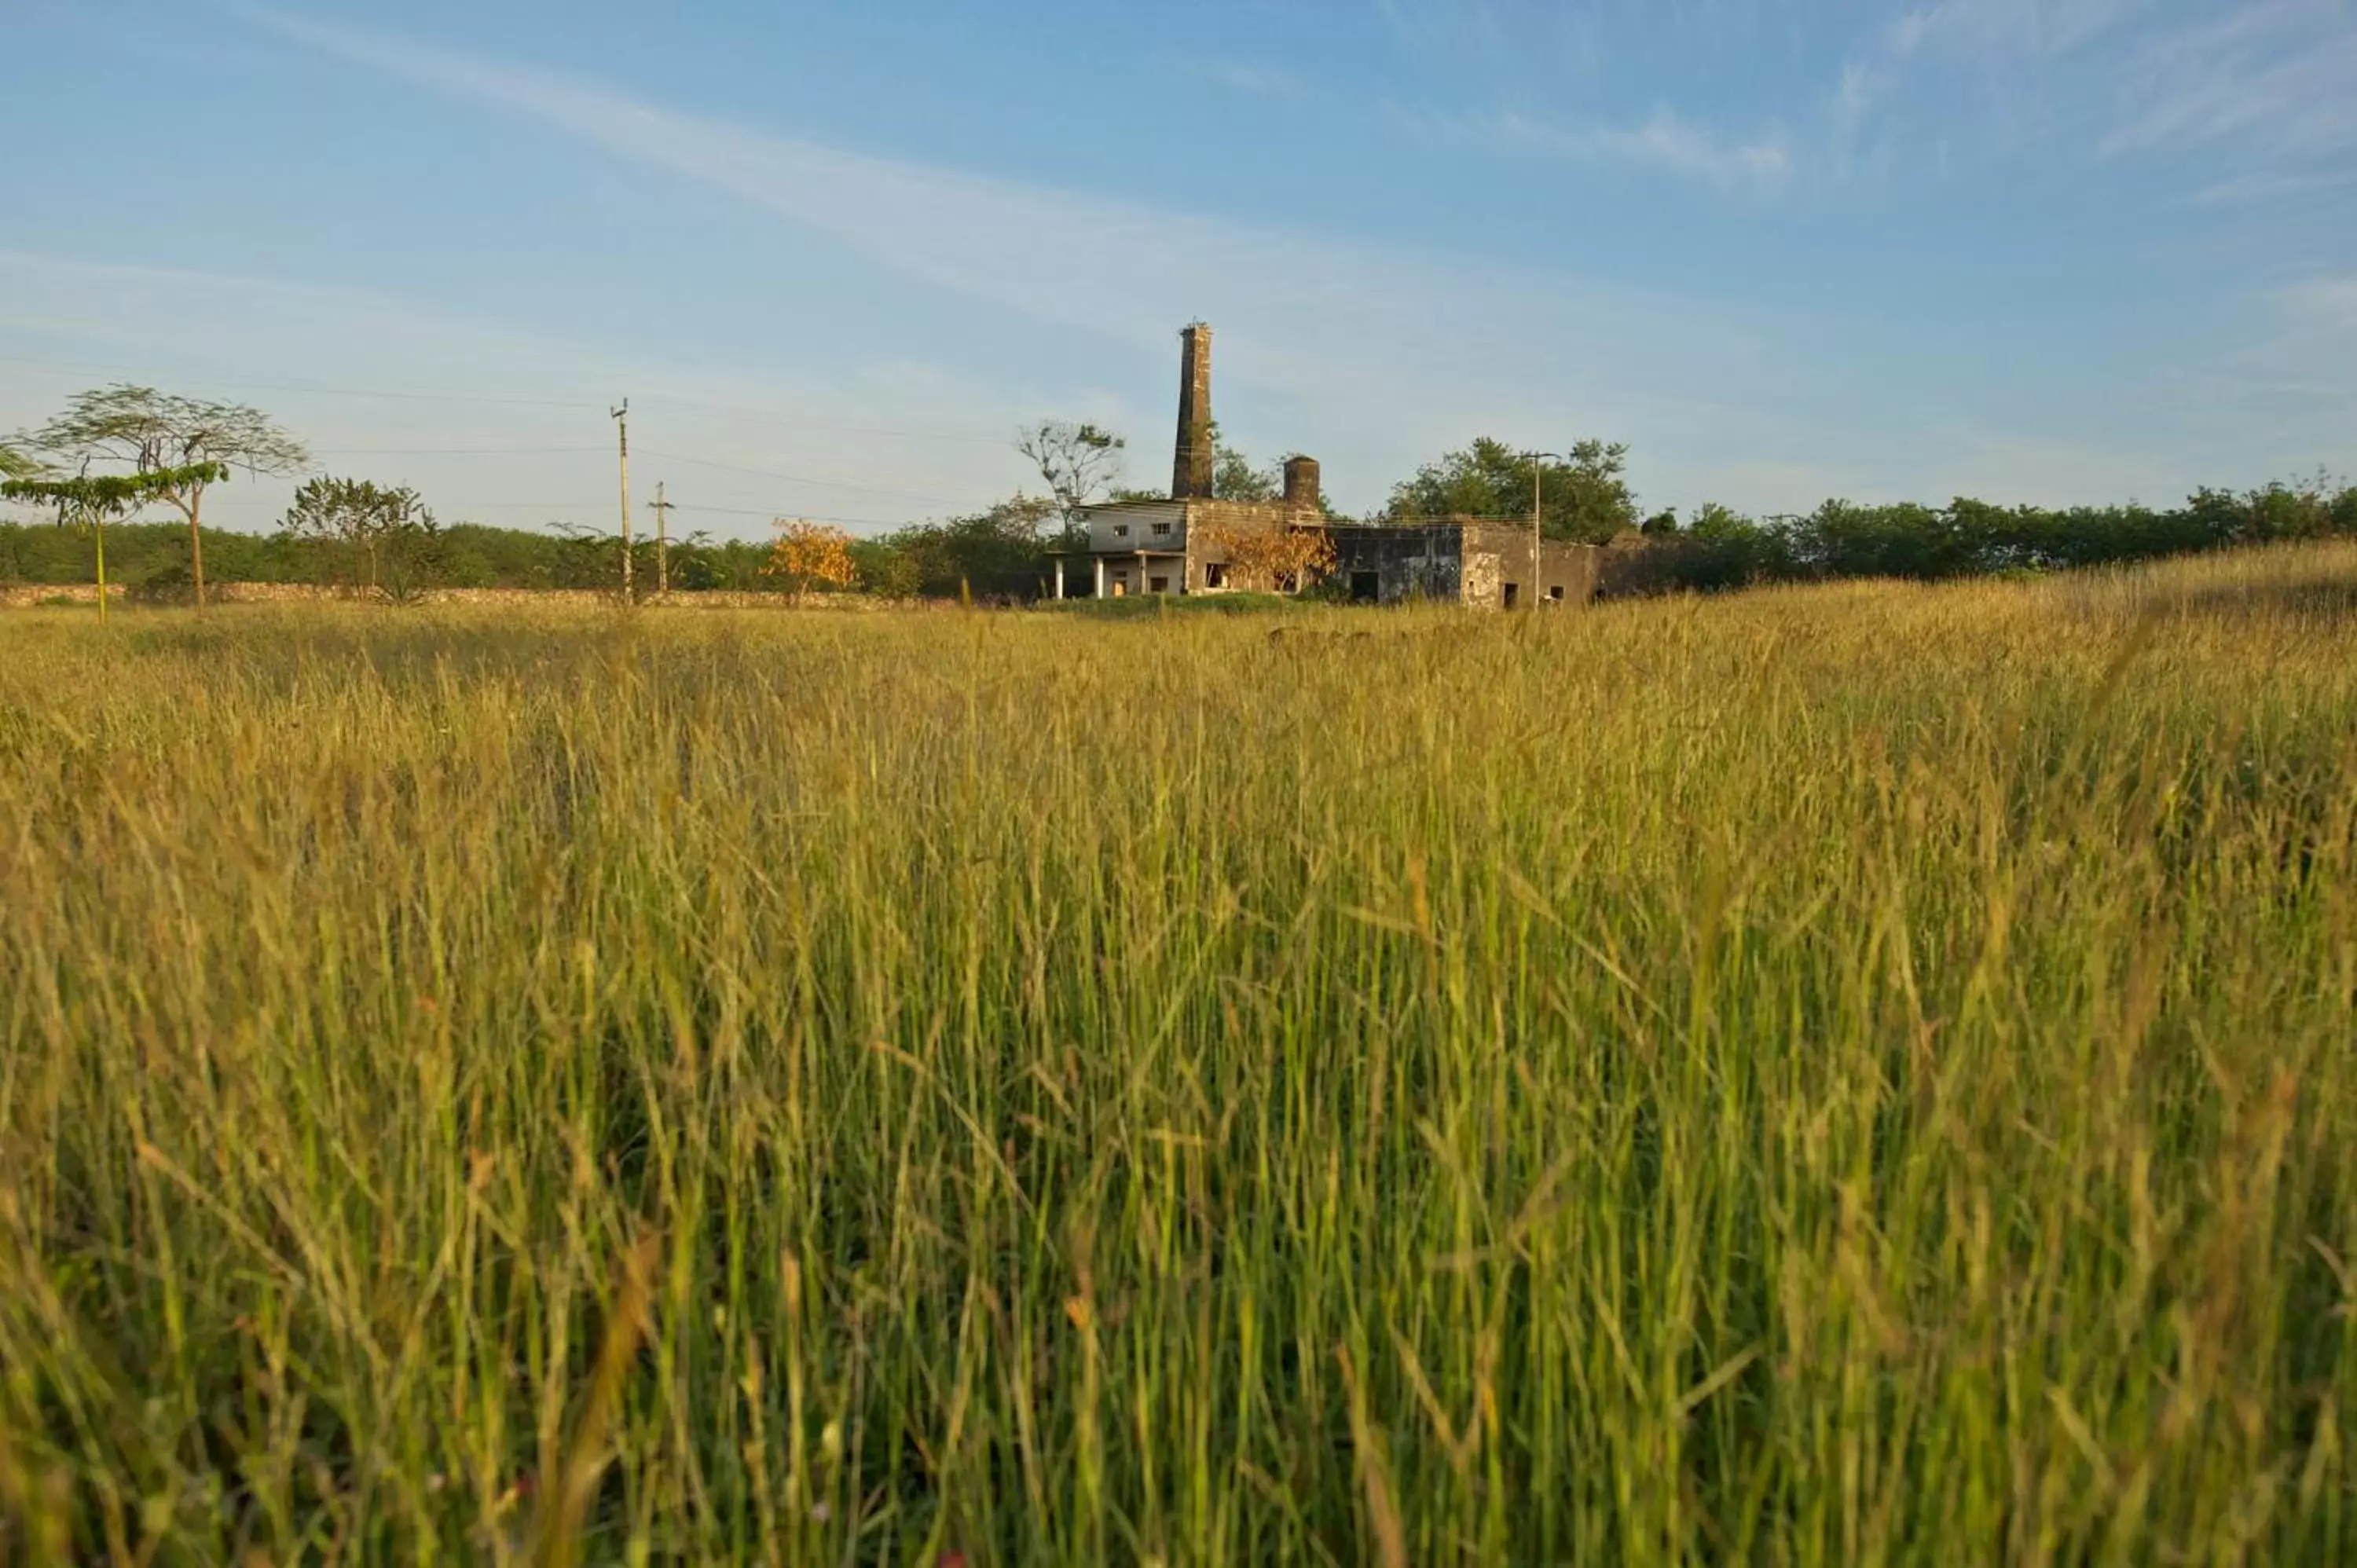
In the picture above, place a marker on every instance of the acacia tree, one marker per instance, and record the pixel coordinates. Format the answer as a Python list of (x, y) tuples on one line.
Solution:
[(189, 440), (93, 500)]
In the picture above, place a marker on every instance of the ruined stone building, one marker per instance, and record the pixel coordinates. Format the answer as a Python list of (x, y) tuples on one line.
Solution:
[(1180, 545), (1188, 544), (1483, 565)]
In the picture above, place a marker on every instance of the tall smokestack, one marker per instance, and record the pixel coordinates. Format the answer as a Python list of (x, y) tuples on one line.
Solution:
[(1190, 471)]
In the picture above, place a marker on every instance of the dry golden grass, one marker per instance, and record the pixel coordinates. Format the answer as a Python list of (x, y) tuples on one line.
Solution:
[(1828, 1076)]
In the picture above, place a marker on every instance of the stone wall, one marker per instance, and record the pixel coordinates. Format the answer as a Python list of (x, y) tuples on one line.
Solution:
[(1239, 517), (25, 596), (1502, 551), (1484, 579), (1205, 517), (1573, 568), (1634, 565)]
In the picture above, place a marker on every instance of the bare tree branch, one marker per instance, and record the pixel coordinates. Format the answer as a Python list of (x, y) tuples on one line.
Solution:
[(1080, 462)]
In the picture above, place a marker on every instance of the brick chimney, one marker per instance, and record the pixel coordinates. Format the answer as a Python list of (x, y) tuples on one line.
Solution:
[(1190, 471), (1301, 491)]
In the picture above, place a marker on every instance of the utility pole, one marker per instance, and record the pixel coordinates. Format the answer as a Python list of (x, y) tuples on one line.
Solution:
[(1538, 512), (662, 509), (623, 425)]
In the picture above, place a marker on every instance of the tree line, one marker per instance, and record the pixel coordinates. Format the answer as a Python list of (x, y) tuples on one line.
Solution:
[(386, 543), (996, 554), (1719, 549)]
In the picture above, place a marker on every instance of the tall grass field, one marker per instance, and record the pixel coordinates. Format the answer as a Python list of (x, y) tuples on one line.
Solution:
[(1849, 1075)]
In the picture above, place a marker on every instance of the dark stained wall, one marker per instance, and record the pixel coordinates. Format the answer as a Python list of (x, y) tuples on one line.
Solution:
[(1467, 563), (1389, 565)]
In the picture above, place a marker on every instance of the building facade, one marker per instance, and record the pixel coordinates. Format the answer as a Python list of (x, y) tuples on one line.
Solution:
[(1184, 545)]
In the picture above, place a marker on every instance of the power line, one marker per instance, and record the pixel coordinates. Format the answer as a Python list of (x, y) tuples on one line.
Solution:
[(444, 451), (774, 511), (212, 502), (667, 457), (904, 432), (307, 387), (805, 480), (805, 423), (787, 513)]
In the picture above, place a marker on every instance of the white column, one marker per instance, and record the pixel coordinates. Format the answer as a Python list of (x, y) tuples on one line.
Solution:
[(1101, 584), (1059, 576)]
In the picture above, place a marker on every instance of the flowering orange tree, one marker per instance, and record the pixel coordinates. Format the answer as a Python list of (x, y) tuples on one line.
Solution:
[(1273, 559), (808, 554)]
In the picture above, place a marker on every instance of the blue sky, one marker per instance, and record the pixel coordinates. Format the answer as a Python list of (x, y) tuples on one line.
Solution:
[(2029, 250)]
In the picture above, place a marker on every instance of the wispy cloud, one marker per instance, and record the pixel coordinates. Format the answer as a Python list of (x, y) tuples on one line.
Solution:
[(1426, 28), (2038, 28), (1909, 91), (1664, 141), (2286, 391), (2319, 306), (416, 385), (2252, 98), (1370, 353), (2267, 185), (2279, 78), (1249, 79), (1327, 318), (2270, 81), (1667, 141), (1962, 72)]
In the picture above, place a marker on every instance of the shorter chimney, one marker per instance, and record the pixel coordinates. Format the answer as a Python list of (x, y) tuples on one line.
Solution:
[(1301, 493)]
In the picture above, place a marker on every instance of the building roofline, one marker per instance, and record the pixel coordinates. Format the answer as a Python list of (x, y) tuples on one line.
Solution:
[(1276, 504)]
